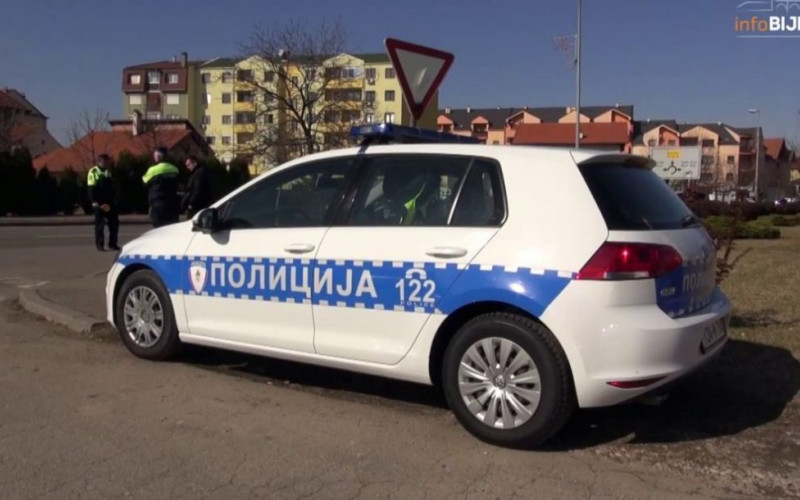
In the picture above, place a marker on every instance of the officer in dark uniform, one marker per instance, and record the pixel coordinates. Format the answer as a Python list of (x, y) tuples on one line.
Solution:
[(198, 189), (103, 197), (162, 190)]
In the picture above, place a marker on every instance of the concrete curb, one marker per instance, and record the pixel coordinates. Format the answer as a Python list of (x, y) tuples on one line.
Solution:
[(76, 321)]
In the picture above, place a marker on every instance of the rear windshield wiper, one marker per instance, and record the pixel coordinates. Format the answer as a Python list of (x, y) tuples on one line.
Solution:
[(689, 220)]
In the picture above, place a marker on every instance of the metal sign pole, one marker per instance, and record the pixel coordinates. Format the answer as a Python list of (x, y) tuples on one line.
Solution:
[(578, 83)]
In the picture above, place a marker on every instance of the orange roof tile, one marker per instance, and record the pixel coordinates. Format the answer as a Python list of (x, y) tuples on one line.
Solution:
[(112, 143), (563, 134)]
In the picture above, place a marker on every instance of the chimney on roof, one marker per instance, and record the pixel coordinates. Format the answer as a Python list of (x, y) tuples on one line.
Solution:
[(525, 107), (719, 123), (469, 109), (648, 120), (448, 110), (136, 123), (184, 59)]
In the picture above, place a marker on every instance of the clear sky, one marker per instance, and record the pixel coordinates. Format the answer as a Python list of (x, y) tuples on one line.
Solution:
[(677, 59)]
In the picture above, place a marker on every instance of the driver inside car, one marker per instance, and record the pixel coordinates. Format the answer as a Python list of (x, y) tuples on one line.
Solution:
[(407, 198)]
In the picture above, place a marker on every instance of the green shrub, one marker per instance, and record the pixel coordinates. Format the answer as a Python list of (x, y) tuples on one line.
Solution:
[(721, 227), (779, 220)]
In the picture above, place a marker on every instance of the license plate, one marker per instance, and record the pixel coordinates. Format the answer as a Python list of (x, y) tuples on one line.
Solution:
[(712, 334)]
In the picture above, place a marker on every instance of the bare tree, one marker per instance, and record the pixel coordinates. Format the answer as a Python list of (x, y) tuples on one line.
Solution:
[(81, 133), (304, 92)]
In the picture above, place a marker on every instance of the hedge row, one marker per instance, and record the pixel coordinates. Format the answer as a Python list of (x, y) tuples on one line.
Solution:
[(721, 228), (749, 211), (23, 191)]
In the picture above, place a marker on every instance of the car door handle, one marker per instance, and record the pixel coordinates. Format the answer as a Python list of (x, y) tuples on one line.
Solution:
[(446, 252), (300, 248)]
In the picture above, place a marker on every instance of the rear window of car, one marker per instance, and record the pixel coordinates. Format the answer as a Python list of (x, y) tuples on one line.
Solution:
[(635, 198)]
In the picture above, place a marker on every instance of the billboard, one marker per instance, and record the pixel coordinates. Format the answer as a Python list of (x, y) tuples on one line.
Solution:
[(677, 163)]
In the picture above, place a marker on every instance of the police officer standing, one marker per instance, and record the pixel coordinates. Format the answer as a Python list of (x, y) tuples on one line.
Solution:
[(162, 185), (103, 198), (198, 189)]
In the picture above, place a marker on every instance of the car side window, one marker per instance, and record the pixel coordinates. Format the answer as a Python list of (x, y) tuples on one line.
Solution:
[(480, 201), (300, 197), (408, 190)]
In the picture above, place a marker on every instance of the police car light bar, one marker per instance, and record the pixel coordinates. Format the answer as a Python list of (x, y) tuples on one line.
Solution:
[(384, 133)]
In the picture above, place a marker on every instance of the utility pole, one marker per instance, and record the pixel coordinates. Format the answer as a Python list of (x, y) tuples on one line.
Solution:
[(578, 77), (754, 111)]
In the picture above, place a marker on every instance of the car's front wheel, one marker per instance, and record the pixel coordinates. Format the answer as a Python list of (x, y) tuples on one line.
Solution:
[(507, 380), (145, 319)]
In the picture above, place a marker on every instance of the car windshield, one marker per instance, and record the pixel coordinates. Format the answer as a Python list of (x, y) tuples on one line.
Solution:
[(635, 198)]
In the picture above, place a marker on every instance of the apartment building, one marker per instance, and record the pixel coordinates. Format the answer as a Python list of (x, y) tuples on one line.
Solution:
[(217, 88), (224, 98), (164, 90)]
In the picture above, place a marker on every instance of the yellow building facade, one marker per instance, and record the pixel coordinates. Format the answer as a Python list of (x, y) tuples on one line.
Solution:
[(217, 85)]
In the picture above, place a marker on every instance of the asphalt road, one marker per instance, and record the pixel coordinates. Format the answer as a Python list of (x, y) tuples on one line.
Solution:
[(81, 418), (49, 253)]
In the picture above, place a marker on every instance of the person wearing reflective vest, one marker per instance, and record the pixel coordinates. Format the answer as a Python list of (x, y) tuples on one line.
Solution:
[(162, 190), (103, 197)]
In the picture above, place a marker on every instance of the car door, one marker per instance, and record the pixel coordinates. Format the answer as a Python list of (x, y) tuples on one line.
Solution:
[(249, 282), (414, 224)]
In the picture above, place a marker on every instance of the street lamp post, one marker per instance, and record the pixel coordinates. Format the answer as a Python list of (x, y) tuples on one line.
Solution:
[(578, 78), (754, 111)]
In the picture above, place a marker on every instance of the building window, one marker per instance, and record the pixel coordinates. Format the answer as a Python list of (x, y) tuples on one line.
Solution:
[(210, 140), (206, 120), (350, 72), (671, 142), (333, 73), (244, 75), (371, 73), (389, 73), (731, 160), (226, 98), (153, 77), (388, 118), (707, 160), (244, 138), (172, 78), (227, 77), (495, 142), (153, 115), (295, 81), (173, 99), (245, 117), (205, 77), (135, 99), (729, 177), (244, 97), (134, 79), (226, 139), (270, 118), (369, 117), (708, 143), (369, 96), (343, 94), (706, 177), (269, 76), (226, 120), (650, 142), (388, 95)]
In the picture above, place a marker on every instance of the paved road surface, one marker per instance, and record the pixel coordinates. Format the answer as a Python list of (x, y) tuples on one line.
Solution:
[(81, 418)]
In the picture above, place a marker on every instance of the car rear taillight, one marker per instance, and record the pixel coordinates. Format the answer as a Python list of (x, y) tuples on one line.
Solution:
[(630, 261)]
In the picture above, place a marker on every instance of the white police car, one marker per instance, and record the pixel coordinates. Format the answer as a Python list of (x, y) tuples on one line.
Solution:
[(525, 281)]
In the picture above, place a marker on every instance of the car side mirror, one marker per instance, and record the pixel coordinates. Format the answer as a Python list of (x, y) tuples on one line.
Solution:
[(206, 221)]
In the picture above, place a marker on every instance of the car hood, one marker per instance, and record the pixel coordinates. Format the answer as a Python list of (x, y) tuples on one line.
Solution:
[(167, 240)]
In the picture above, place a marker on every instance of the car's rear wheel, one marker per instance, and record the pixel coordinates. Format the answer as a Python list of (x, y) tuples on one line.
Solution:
[(145, 319), (507, 380)]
